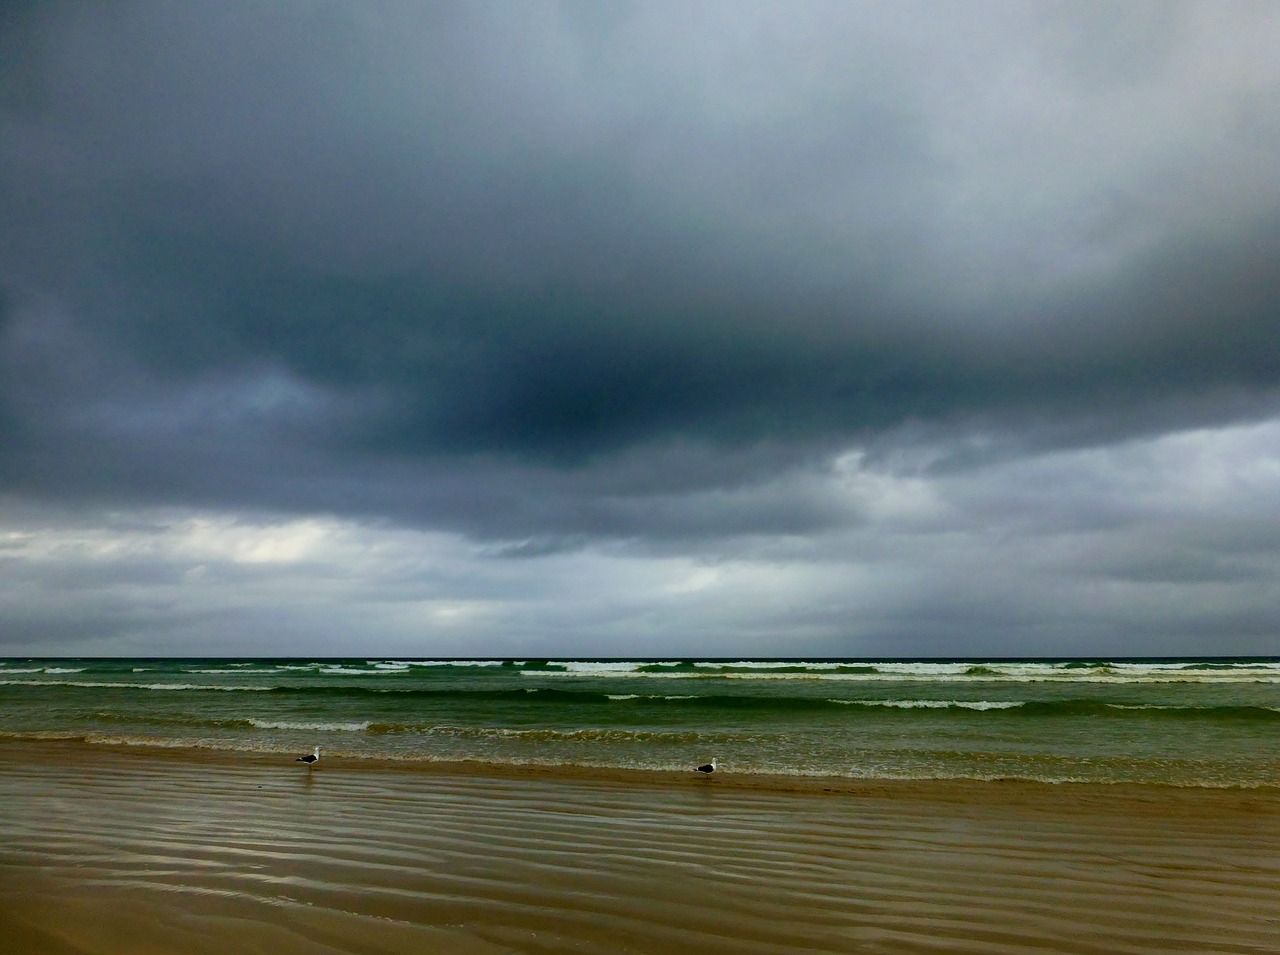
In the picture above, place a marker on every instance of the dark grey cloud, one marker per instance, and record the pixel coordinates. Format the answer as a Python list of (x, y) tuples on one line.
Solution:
[(569, 275), (509, 233)]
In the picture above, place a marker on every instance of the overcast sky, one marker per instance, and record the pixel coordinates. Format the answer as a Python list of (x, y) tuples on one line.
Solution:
[(618, 329)]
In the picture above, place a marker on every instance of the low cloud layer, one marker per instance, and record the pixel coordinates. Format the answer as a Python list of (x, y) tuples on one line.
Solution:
[(839, 328)]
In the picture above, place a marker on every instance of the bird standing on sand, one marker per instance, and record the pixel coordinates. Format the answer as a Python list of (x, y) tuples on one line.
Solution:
[(708, 768), (311, 759)]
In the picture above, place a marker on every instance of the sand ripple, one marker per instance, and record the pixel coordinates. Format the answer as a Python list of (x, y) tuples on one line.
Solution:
[(146, 851)]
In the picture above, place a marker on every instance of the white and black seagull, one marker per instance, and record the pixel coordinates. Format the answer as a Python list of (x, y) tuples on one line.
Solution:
[(709, 768), (311, 758)]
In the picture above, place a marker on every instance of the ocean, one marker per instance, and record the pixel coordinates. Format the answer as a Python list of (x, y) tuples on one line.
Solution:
[(1178, 722)]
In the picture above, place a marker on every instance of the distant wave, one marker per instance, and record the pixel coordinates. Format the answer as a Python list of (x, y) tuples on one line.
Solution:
[(894, 671), (7, 670), (109, 685), (448, 663), (927, 671), (553, 697), (359, 671), (1043, 708)]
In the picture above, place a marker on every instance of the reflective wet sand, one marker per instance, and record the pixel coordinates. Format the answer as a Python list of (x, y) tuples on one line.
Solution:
[(135, 851)]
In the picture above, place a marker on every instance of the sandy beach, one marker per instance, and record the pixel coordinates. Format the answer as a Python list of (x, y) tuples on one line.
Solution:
[(112, 850)]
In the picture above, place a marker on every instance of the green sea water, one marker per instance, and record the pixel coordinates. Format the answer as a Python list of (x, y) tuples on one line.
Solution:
[(1181, 722)]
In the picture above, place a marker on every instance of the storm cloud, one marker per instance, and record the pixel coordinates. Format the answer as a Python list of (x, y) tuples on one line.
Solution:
[(843, 328)]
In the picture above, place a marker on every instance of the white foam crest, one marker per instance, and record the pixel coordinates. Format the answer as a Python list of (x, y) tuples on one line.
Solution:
[(935, 704), (328, 727), (777, 664), (591, 733), (1133, 673), (357, 671), (647, 696), (157, 741), (599, 673), (603, 667), (756, 675), (932, 669), (65, 669), (199, 686), (215, 672), (446, 663)]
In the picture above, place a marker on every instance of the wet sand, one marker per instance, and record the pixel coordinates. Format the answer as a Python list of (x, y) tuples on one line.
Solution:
[(109, 851)]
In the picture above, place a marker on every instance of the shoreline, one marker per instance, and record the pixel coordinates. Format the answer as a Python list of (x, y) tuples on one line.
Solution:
[(953, 789)]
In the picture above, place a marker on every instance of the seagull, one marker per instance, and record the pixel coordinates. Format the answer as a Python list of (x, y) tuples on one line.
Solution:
[(311, 759), (708, 769)]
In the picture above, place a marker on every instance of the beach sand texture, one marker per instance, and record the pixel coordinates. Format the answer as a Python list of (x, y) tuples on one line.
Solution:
[(106, 850)]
